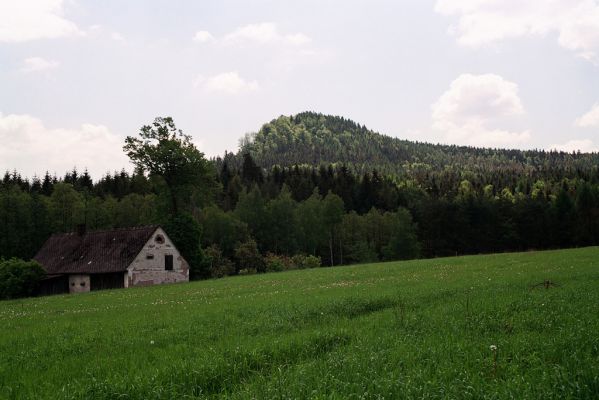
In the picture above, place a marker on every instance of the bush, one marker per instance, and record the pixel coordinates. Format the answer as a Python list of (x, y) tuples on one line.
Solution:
[(248, 271), (276, 263), (248, 257), (312, 262), (19, 278), (218, 264), (301, 261)]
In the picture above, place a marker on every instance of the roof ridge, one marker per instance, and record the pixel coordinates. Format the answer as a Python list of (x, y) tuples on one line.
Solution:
[(131, 228)]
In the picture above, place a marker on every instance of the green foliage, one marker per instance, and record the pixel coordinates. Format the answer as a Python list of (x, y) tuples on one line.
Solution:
[(282, 224), (24, 223), (223, 229), (332, 215), (401, 330), (66, 207), (248, 257), (301, 261), (219, 265), (310, 229), (251, 209), (165, 152), (403, 244), (311, 138), (186, 234), (19, 278), (276, 263)]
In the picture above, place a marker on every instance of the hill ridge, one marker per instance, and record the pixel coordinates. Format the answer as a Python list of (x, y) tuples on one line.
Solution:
[(311, 138)]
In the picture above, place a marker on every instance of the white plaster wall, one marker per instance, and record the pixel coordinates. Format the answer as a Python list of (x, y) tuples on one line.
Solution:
[(144, 271), (79, 283)]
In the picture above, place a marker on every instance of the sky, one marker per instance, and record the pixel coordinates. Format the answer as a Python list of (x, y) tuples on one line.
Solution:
[(78, 76)]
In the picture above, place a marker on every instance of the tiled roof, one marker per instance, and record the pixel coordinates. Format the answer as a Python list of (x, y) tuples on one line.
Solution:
[(93, 252)]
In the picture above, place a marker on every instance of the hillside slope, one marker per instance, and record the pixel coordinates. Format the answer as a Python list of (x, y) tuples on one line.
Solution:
[(417, 329), (314, 139)]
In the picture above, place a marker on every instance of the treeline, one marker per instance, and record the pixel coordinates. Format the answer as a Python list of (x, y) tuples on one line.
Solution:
[(328, 212), (262, 217), (465, 217)]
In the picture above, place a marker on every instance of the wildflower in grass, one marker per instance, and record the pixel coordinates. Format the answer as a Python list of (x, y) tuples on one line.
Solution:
[(493, 347), (151, 342)]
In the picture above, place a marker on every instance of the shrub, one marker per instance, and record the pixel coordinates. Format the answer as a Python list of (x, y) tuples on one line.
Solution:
[(248, 257), (276, 263), (19, 278), (301, 261), (218, 264), (312, 262), (248, 271)]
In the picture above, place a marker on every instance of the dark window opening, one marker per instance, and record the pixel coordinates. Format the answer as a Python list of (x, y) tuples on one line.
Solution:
[(149, 256), (159, 239), (82, 284), (168, 262)]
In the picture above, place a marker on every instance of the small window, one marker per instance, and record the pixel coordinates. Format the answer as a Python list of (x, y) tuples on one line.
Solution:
[(82, 284), (149, 256), (72, 283), (159, 239), (168, 262)]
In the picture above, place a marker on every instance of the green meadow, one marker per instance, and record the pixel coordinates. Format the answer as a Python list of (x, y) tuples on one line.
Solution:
[(462, 328)]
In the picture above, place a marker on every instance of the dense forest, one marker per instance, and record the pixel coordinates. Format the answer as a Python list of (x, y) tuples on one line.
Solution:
[(311, 187), (315, 139)]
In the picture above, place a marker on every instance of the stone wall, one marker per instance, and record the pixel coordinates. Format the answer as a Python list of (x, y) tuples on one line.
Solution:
[(148, 268), (79, 283)]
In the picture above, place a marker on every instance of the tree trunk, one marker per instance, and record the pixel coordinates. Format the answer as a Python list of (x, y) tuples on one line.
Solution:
[(331, 248)]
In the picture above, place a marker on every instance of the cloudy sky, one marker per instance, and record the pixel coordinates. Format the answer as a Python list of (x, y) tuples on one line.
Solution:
[(77, 76)]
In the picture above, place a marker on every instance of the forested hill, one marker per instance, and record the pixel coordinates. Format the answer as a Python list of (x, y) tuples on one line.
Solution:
[(315, 139)]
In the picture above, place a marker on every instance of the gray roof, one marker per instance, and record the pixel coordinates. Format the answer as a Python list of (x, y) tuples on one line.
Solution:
[(93, 252)]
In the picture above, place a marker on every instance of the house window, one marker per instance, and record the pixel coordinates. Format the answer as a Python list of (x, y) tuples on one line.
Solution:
[(159, 239), (149, 256), (168, 262)]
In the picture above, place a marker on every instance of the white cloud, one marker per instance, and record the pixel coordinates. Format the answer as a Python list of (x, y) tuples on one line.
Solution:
[(32, 148), (590, 119), (38, 64), (203, 37), (481, 22), (265, 33), (104, 32), (226, 82), (582, 145), (24, 20), (116, 36), (474, 102)]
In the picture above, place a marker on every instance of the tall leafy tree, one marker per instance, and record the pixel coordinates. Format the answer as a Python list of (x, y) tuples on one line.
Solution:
[(166, 153)]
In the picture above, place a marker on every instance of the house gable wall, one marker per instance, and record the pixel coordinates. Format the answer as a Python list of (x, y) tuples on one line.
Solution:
[(148, 268)]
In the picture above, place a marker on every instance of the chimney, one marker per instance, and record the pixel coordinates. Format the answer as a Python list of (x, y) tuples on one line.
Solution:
[(81, 228)]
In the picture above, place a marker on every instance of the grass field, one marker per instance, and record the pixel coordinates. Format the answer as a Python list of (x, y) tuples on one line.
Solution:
[(417, 329)]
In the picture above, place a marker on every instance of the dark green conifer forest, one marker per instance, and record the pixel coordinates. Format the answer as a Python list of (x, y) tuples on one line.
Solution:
[(311, 186)]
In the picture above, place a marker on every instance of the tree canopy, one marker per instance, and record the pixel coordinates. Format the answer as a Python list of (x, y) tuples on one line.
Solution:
[(166, 153)]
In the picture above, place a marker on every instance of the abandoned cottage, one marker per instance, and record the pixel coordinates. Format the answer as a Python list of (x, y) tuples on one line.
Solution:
[(83, 261)]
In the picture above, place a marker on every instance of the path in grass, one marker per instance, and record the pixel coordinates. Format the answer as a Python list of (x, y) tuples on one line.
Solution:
[(394, 330)]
